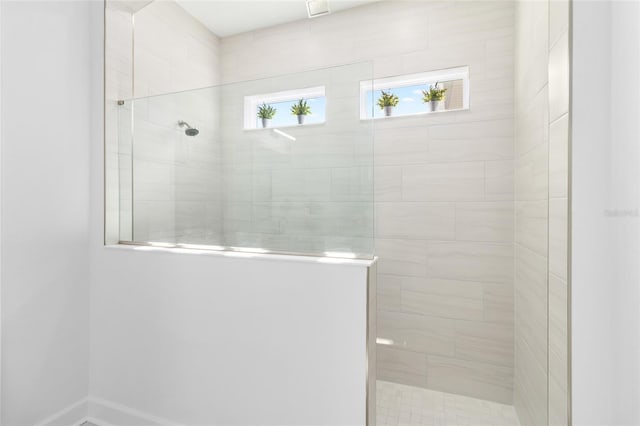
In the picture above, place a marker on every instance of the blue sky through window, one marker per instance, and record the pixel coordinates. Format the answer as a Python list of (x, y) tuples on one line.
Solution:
[(410, 101), (284, 117)]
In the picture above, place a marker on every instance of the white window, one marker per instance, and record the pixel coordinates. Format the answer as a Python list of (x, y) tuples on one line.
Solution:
[(282, 103), (408, 93)]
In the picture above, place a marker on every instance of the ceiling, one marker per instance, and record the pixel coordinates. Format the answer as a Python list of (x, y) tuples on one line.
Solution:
[(229, 17)]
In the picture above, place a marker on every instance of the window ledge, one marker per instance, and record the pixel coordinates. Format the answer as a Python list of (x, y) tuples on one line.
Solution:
[(288, 126), (415, 114)]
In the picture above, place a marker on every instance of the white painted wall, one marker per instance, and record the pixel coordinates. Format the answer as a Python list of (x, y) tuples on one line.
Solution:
[(625, 134), (605, 244), (592, 299), (214, 339), (46, 123)]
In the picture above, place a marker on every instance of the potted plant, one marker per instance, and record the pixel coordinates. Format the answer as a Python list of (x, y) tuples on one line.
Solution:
[(266, 113), (387, 102), (434, 97), (301, 109)]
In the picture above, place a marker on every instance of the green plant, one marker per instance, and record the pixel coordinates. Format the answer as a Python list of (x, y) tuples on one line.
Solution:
[(387, 99), (266, 111), (300, 108), (433, 94)]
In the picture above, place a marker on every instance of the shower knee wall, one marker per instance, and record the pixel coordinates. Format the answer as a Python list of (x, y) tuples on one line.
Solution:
[(199, 338)]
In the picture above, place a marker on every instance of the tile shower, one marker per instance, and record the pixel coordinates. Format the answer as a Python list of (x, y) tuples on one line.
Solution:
[(456, 206)]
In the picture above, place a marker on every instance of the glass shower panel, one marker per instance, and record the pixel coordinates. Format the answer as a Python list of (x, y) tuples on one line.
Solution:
[(301, 188), (125, 170), (175, 169), (200, 175)]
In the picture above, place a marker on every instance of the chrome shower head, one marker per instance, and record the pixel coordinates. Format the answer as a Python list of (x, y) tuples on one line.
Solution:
[(189, 131)]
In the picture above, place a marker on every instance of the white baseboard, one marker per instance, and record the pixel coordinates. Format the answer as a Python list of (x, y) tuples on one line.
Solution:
[(101, 412), (73, 415), (106, 413)]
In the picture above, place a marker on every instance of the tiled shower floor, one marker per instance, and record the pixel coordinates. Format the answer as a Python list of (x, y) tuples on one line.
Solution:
[(400, 405)]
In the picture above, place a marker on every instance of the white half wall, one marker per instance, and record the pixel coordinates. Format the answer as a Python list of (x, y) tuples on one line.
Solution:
[(46, 123), (220, 339)]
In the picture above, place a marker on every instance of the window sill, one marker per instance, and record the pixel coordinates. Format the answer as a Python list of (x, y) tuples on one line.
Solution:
[(415, 114), (289, 126)]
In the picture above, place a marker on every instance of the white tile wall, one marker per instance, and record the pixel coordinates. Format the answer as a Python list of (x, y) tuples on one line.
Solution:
[(440, 298), (176, 190), (542, 106), (499, 183), (559, 94), (450, 374), (531, 194), (558, 157), (443, 182), (473, 261), (558, 352), (415, 220), (485, 221), (475, 344), (406, 367), (403, 257), (418, 333), (173, 51)]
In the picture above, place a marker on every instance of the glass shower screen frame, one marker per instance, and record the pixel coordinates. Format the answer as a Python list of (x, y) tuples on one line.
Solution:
[(293, 189)]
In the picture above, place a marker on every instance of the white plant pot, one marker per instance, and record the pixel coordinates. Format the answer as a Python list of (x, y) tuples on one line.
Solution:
[(388, 111), (301, 119), (436, 105), (266, 122)]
